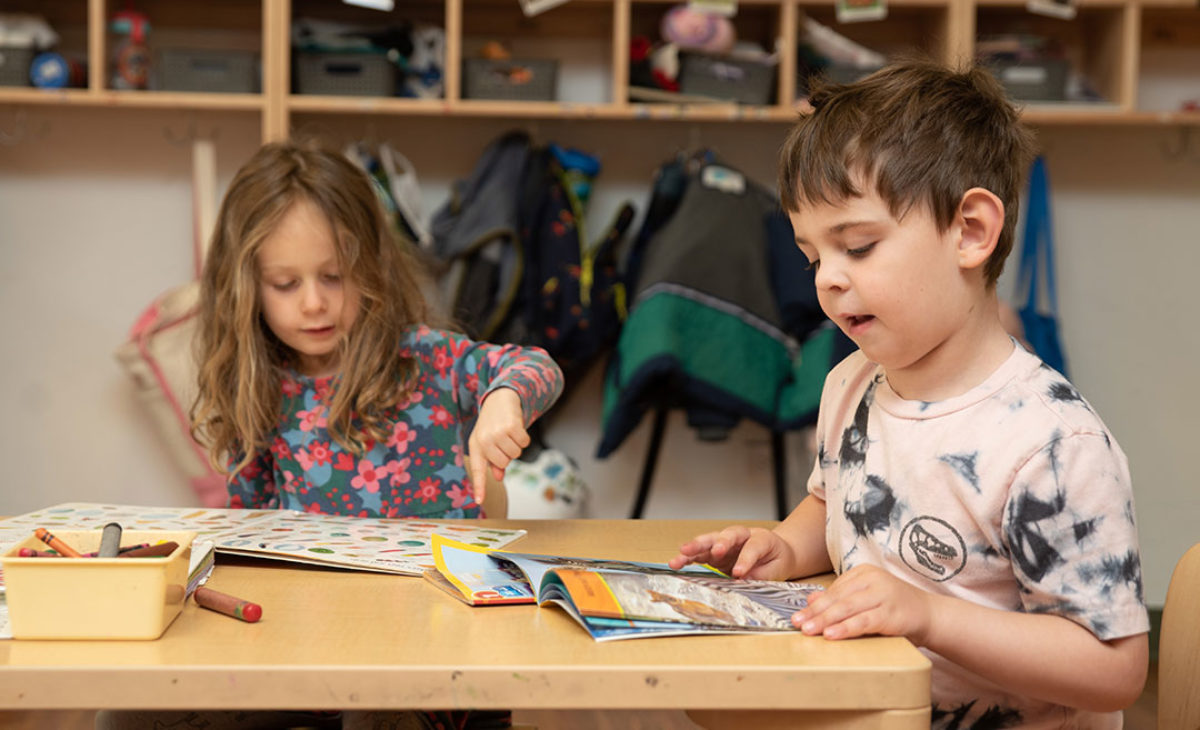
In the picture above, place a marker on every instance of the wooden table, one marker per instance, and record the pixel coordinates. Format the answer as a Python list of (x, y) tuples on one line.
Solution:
[(332, 639)]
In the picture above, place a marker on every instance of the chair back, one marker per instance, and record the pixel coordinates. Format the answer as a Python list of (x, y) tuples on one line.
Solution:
[(1179, 648)]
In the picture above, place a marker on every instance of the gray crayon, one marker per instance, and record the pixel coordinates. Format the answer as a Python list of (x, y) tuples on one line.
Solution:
[(110, 541)]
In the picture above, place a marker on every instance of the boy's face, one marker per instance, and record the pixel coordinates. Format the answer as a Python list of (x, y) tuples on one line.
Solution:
[(893, 286), (305, 300)]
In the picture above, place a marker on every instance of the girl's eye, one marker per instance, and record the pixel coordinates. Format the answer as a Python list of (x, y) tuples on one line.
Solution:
[(333, 278), (283, 285), (860, 251)]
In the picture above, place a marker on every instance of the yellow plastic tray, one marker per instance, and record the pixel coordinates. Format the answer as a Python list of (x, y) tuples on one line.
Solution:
[(96, 598)]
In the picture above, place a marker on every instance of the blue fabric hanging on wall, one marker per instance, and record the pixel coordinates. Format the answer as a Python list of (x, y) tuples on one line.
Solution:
[(1037, 266)]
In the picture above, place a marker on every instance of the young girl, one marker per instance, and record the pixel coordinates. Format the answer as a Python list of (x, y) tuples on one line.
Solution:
[(321, 387)]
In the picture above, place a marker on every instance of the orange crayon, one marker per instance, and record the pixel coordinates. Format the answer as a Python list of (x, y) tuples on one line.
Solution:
[(63, 549)]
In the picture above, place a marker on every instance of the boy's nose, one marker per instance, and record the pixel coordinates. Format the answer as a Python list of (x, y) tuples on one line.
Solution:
[(830, 276)]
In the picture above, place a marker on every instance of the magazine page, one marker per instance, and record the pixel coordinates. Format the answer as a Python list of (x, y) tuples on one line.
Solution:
[(752, 605), (472, 575)]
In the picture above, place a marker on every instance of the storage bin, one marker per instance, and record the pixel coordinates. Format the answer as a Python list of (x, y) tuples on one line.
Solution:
[(1044, 80), (746, 81), (512, 79), (345, 74), (96, 598), (14, 65), (231, 72)]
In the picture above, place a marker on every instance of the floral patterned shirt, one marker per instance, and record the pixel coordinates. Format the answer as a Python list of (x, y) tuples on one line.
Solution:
[(420, 470)]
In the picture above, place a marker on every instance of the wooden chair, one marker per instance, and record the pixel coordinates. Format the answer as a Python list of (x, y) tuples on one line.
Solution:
[(1179, 648)]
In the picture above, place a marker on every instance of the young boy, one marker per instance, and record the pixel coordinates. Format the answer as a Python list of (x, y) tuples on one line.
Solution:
[(966, 495)]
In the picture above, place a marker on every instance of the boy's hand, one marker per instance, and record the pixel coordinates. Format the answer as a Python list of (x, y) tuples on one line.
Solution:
[(867, 600), (499, 437), (743, 552)]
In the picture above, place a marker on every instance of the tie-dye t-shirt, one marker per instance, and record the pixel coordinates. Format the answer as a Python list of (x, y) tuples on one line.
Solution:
[(420, 470), (1013, 495)]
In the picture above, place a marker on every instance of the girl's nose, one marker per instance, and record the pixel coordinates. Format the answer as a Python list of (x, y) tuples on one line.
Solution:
[(311, 298)]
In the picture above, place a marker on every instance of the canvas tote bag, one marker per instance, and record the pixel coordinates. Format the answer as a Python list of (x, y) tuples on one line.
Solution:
[(158, 353)]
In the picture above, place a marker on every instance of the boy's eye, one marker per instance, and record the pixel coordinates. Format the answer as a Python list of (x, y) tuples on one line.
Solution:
[(813, 265), (860, 251)]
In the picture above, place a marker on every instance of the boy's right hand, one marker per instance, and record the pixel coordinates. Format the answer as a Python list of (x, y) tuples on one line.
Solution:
[(743, 552)]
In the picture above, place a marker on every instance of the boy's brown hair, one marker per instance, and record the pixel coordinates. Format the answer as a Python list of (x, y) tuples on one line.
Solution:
[(923, 133)]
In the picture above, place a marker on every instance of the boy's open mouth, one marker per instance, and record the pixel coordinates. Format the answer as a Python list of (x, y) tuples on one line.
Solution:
[(857, 319)]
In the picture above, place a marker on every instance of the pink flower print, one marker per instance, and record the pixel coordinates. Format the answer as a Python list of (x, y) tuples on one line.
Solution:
[(280, 450), (345, 462), (414, 396), (473, 382), (439, 416), (291, 388), (460, 496), (368, 476), (320, 453), (321, 388), (399, 471), (457, 450), (442, 360), (291, 481), (235, 502), (312, 419), (252, 470), (429, 490), (402, 435)]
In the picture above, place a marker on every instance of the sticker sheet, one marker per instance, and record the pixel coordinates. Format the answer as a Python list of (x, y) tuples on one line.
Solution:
[(357, 543)]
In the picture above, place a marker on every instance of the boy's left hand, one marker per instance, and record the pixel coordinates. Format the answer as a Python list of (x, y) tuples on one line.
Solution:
[(499, 437), (867, 600)]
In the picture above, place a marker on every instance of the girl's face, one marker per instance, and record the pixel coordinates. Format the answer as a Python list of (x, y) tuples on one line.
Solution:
[(305, 299)]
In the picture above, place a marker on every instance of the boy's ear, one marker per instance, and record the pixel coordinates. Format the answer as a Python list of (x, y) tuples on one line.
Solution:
[(981, 215)]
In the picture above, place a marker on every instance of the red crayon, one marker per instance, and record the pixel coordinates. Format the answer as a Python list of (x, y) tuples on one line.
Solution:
[(151, 551), (228, 605), (31, 553), (63, 549)]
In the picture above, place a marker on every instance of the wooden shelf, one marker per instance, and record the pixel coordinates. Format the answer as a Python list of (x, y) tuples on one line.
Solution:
[(1106, 40)]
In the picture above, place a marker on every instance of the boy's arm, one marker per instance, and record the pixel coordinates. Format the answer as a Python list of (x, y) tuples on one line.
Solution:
[(1039, 655)]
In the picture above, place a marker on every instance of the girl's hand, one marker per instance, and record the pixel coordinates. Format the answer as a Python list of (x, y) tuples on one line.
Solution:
[(867, 600), (499, 437), (743, 552)]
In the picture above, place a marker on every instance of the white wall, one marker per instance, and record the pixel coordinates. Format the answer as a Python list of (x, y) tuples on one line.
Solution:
[(95, 216)]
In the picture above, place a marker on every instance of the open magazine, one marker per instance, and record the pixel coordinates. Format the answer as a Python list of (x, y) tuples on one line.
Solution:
[(617, 599)]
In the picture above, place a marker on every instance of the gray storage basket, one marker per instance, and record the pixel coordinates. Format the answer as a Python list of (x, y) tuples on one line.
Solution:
[(345, 74), (14, 65), (233, 72), (746, 81), (510, 79)]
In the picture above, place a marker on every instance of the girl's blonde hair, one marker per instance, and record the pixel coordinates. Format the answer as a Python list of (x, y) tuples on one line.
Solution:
[(242, 362)]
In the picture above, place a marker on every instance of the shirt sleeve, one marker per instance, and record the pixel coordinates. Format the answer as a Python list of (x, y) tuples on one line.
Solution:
[(254, 486), (1071, 533), (483, 367)]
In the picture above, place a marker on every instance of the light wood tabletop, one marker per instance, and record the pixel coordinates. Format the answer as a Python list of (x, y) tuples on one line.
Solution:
[(333, 639)]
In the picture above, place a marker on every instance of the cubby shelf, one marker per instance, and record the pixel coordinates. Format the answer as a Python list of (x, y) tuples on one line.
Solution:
[(1107, 39)]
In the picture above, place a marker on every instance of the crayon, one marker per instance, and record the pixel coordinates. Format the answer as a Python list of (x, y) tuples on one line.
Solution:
[(31, 553), (124, 549), (110, 541), (159, 550), (63, 549), (228, 605)]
